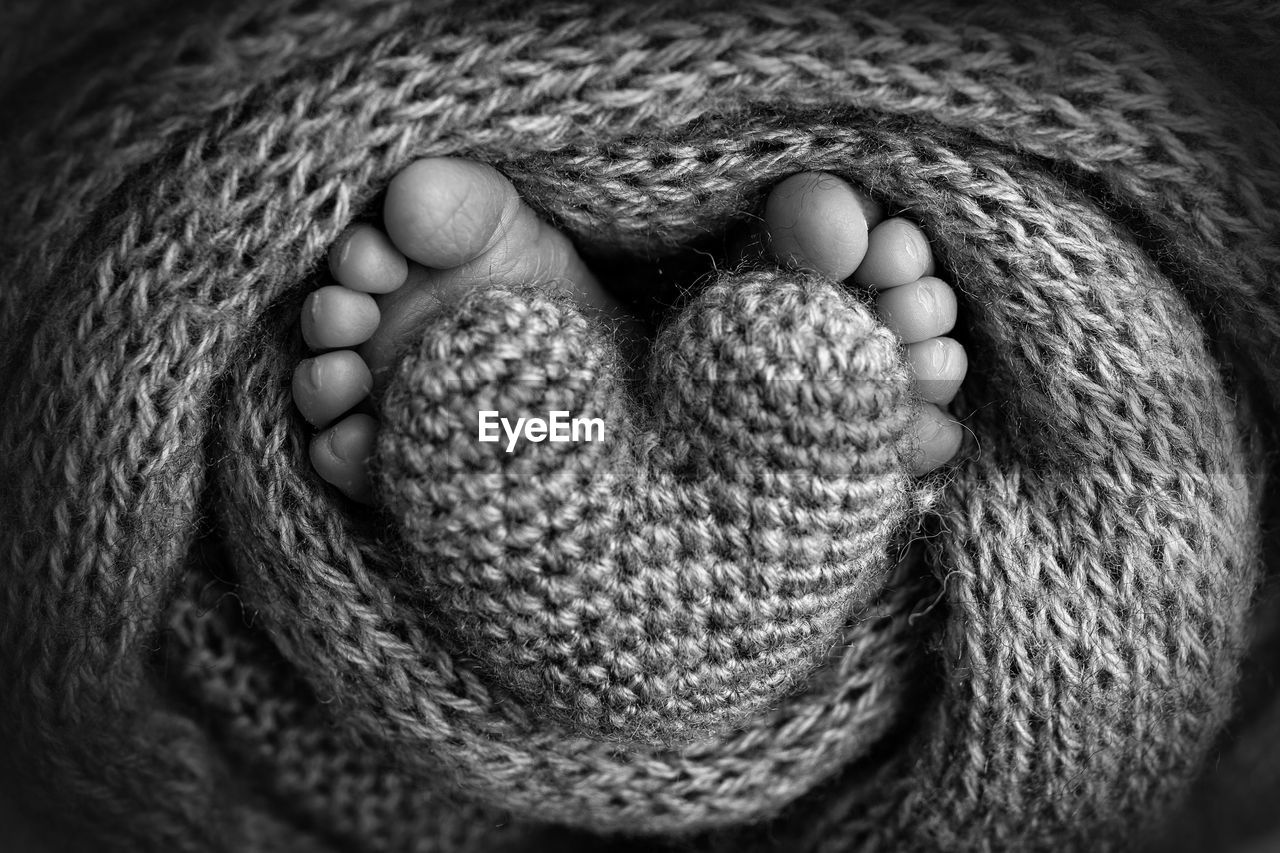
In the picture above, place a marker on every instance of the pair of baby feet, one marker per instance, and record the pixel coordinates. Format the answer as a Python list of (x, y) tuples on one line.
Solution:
[(452, 224)]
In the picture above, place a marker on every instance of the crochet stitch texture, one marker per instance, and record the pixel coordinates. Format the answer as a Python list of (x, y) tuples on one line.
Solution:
[(694, 629)]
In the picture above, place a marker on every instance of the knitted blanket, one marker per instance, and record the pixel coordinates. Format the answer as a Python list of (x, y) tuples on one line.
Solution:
[(702, 630)]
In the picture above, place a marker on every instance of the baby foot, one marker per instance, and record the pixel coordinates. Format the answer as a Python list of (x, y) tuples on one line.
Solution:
[(454, 223), (450, 224), (820, 222)]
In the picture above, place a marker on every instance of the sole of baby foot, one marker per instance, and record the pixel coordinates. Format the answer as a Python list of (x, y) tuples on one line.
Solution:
[(451, 224), (820, 222)]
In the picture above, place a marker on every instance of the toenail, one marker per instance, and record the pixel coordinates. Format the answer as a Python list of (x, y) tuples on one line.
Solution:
[(335, 447), (940, 358), (315, 373), (339, 250), (926, 298), (344, 245), (913, 245), (928, 430)]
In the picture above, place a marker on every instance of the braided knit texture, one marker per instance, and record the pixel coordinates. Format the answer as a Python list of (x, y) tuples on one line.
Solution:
[(699, 628)]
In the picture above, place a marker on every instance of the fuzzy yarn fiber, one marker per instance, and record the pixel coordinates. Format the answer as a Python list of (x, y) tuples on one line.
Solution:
[(697, 631)]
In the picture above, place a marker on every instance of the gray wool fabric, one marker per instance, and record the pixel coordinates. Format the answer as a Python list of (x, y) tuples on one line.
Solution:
[(699, 631)]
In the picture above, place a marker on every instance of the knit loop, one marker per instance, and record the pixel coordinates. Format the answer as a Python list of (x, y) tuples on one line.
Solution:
[(675, 574), (204, 646)]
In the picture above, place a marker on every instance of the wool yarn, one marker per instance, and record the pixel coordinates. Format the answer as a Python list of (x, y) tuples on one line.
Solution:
[(696, 631), (658, 584)]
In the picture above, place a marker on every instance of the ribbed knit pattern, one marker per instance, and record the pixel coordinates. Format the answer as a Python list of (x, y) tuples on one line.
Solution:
[(697, 628)]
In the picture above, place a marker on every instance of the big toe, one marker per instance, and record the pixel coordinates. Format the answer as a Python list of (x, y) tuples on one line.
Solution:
[(464, 224), (819, 222), (467, 218), (443, 212)]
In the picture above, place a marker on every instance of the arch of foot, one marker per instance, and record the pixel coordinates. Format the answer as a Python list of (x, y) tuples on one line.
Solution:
[(676, 573)]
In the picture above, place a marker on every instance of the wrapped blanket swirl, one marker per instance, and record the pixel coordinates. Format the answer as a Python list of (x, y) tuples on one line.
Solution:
[(697, 627)]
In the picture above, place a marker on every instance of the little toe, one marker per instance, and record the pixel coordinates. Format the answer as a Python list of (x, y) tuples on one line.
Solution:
[(935, 440), (819, 222), (918, 311), (897, 253), (364, 259), (328, 385), (939, 365), (336, 316), (341, 455)]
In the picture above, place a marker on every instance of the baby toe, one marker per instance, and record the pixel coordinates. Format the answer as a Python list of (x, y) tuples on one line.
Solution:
[(443, 212), (364, 259), (934, 440), (918, 311), (897, 253), (939, 365), (335, 316), (331, 383), (817, 221), (466, 224), (341, 455)]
